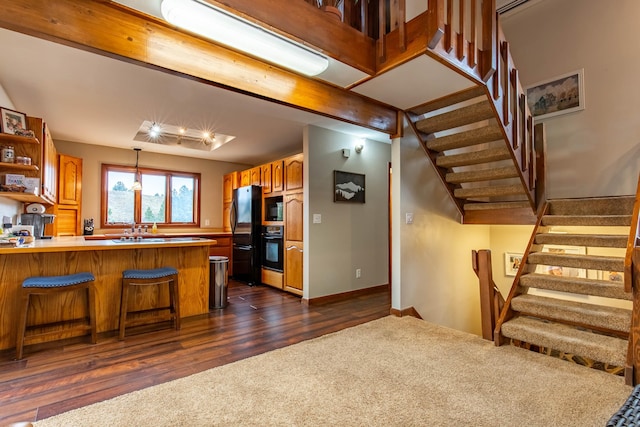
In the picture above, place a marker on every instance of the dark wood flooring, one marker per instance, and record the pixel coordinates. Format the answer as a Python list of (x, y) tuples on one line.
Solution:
[(57, 377)]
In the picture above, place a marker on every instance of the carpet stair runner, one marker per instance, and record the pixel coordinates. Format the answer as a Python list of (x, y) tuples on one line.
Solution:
[(588, 313), (463, 139)]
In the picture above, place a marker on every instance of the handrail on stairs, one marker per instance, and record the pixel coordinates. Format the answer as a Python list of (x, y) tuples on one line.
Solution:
[(491, 300), (632, 284)]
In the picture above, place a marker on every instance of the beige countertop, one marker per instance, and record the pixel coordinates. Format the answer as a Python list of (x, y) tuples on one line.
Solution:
[(79, 243)]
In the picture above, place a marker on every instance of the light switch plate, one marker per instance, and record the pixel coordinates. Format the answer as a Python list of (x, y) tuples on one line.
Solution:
[(317, 218)]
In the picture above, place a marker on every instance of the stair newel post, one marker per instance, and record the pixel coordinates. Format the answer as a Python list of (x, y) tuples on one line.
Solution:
[(481, 261), (435, 9)]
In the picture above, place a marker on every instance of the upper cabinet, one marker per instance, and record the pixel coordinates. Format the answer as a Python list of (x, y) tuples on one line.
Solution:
[(266, 178), (256, 176), (293, 172), (70, 180), (44, 163)]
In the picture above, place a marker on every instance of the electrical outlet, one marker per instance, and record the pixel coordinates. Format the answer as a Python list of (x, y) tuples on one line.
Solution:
[(206, 222), (408, 218), (358, 273), (317, 218)]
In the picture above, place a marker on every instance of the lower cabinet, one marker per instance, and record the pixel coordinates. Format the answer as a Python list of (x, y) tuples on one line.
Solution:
[(293, 251), (272, 278)]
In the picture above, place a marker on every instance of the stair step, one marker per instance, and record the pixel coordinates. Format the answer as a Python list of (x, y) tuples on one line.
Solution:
[(587, 220), (590, 240), (591, 262), (600, 316), (567, 339), (622, 205), (460, 117), (492, 191), (482, 175), (465, 139), (496, 205), (455, 98), (576, 285), (474, 157)]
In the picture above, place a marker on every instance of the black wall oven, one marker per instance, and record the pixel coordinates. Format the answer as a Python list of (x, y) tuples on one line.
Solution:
[(272, 247)]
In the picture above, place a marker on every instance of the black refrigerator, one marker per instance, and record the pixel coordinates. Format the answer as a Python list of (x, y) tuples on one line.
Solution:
[(246, 212)]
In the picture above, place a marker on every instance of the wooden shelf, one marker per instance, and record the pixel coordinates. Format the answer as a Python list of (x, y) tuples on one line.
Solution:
[(15, 139), (23, 197), (18, 166)]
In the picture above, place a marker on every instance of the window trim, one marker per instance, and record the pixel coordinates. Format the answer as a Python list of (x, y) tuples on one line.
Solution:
[(106, 168)]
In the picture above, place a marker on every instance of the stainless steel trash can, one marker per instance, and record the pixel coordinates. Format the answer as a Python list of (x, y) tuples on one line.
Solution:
[(218, 281)]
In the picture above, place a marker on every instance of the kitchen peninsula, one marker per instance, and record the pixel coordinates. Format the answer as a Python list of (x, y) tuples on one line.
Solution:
[(106, 259)]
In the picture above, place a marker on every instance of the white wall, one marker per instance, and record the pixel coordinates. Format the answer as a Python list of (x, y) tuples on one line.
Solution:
[(93, 156), (351, 235), (432, 257), (595, 151)]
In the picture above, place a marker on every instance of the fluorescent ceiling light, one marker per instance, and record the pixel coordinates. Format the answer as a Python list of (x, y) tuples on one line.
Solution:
[(237, 33)]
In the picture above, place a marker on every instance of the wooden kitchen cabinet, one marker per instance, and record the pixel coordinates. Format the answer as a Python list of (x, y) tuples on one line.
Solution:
[(293, 246), (70, 180), (266, 178), (293, 217), (49, 166), (230, 182), (68, 209), (245, 178), (256, 176), (277, 176), (293, 172), (293, 254)]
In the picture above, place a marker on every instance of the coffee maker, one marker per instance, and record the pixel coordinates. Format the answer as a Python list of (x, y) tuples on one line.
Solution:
[(38, 221)]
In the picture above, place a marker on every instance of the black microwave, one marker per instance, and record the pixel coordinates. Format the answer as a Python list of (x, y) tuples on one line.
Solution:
[(273, 208)]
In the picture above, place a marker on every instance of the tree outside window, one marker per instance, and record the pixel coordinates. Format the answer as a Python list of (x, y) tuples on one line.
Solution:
[(166, 198)]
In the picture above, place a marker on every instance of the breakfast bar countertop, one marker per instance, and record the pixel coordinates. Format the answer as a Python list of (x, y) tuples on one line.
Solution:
[(79, 243)]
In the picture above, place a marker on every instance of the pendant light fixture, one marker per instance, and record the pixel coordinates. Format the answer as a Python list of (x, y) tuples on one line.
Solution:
[(223, 27), (137, 184)]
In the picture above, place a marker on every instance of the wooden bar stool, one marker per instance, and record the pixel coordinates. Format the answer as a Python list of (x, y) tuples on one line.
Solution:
[(47, 285), (152, 277)]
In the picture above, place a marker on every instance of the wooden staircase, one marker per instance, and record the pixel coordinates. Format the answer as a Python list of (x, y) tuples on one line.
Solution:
[(585, 311), (464, 139)]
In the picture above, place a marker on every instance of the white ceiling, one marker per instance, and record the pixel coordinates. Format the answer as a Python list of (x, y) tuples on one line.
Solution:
[(89, 98)]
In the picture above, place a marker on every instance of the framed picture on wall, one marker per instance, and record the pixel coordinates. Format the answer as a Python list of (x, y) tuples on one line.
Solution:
[(13, 122), (555, 270), (558, 95), (348, 187), (512, 263)]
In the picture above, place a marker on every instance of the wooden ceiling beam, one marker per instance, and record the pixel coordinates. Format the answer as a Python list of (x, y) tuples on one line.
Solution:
[(106, 28)]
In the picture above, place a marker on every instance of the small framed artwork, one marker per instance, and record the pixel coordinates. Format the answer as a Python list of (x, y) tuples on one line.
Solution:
[(12, 122), (559, 95), (512, 263), (348, 187)]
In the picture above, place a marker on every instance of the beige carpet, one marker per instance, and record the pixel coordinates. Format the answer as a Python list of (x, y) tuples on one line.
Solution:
[(391, 372)]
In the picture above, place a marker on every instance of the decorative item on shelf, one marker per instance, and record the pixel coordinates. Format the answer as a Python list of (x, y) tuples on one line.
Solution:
[(12, 122), (13, 188), (88, 227), (8, 154)]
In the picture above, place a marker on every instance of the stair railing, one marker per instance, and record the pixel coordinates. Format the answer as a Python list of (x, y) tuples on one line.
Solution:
[(632, 284), (468, 35), (491, 300)]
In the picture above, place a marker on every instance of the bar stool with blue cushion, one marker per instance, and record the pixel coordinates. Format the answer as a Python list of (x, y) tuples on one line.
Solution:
[(47, 285), (150, 277)]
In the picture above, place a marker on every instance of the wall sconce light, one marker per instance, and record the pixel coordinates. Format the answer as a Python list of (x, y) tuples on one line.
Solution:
[(137, 185), (346, 153), (359, 148)]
